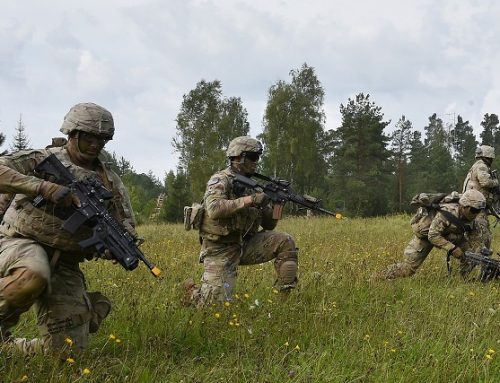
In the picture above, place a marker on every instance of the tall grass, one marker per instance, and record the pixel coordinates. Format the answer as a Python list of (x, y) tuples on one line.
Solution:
[(338, 326)]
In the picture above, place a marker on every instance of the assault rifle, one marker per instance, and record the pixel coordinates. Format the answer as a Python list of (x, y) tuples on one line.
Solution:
[(490, 268), (108, 233), (280, 192)]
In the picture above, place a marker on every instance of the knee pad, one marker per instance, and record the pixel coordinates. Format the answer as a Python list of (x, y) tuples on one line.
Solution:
[(101, 307), (287, 273), (22, 287)]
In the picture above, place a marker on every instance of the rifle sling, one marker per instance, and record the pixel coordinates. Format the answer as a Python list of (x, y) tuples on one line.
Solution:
[(454, 220)]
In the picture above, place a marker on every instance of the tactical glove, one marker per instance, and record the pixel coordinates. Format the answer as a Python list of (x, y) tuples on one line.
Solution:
[(260, 199), (457, 252), (59, 195)]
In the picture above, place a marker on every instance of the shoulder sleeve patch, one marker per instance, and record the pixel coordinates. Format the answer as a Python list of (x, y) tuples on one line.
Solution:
[(213, 181)]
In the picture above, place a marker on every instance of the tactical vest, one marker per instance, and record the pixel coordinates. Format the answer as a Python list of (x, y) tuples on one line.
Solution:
[(233, 228), (44, 224)]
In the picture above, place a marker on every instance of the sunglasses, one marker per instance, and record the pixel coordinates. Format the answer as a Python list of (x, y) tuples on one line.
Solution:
[(93, 138), (474, 210), (252, 156)]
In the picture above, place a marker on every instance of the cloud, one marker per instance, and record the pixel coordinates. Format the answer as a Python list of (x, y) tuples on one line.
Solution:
[(92, 74)]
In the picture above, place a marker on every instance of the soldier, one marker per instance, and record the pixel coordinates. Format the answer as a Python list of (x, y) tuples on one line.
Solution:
[(229, 231), (449, 230), (480, 178), (39, 260)]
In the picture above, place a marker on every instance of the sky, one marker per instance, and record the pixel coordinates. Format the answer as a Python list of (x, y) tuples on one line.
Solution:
[(137, 58)]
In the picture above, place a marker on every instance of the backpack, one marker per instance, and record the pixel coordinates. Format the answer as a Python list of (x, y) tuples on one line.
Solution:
[(193, 216), (428, 206)]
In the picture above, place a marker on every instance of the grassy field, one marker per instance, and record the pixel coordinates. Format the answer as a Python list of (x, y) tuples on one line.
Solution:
[(336, 327)]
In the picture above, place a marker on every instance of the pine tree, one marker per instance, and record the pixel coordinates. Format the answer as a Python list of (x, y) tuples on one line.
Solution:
[(417, 167), (361, 167), (440, 166), (21, 140), (401, 146), (490, 130), (464, 145)]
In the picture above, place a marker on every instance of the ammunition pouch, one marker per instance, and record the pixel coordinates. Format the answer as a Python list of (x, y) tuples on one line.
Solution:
[(193, 216)]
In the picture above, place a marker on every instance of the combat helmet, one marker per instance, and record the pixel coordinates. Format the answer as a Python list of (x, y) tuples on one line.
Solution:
[(485, 151), (473, 198), (243, 144), (91, 118)]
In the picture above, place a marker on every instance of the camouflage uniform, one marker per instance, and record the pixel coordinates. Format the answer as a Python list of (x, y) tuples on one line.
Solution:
[(480, 178), (443, 233), (39, 260), (230, 237)]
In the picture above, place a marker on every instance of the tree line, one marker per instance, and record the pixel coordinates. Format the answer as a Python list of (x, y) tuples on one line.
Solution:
[(358, 169)]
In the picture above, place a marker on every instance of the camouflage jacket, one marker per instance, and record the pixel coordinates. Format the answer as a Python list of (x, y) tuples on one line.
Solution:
[(226, 219), (445, 234), (480, 178), (44, 224)]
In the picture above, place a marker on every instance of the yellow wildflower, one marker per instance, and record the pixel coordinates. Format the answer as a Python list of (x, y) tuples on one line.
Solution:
[(231, 323), (69, 342), (246, 295), (86, 371), (24, 378), (190, 322), (227, 304), (275, 291), (491, 351), (70, 361), (488, 356), (217, 315), (297, 348), (286, 343), (367, 337), (112, 337), (118, 340), (393, 350)]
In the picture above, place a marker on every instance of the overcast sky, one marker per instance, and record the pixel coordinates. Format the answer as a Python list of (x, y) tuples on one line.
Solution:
[(138, 58)]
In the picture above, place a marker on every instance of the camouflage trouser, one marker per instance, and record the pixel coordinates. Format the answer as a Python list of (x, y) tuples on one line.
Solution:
[(221, 260), (64, 309), (415, 254), (482, 237)]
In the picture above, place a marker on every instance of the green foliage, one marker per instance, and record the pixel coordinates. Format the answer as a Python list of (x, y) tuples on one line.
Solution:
[(21, 140), (361, 168), (417, 168), (293, 136), (178, 196), (490, 130), (464, 145), (337, 326), (143, 189), (206, 124), (440, 165), (401, 140)]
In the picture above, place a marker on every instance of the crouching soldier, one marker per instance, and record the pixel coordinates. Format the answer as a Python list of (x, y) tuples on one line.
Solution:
[(230, 231), (451, 229), (39, 260)]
